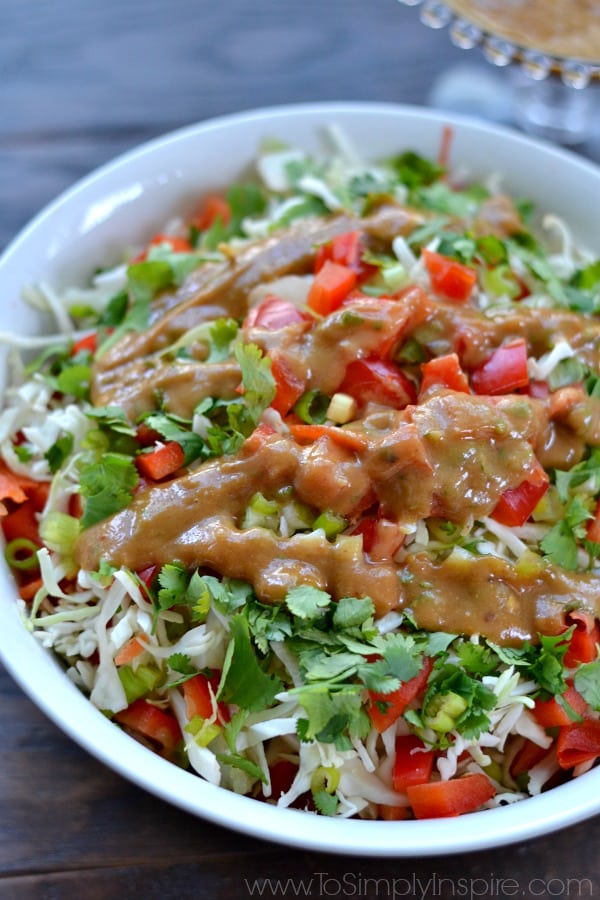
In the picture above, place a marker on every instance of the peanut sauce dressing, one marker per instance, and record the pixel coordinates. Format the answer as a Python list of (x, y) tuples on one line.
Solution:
[(565, 28), (451, 456)]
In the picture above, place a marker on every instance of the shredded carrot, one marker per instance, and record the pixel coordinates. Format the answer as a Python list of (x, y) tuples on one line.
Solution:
[(13, 486), (130, 650), (445, 146), (306, 434), (28, 590)]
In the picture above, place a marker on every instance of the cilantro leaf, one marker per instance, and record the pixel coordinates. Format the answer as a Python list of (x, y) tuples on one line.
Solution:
[(145, 280), (74, 380), (243, 764), (560, 544), (243, 680), (268, 622), (181, 663), (111, 417), (107, 486), (334, 716), (228, 594), (352, 612), (59, 451), (173, 581), (548, 667), (587, 682), (257, 379), (307, 602), (233, 728), (325, 803), (414, 170), (477, 659)]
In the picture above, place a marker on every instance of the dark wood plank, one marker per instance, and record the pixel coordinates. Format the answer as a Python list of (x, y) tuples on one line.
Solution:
[(82, 81)]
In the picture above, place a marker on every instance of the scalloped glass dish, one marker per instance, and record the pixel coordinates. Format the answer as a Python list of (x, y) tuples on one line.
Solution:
[(125, 202), (513, 32)]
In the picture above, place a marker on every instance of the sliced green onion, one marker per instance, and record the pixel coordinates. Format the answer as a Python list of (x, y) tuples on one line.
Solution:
[(21, 554), (500, 282), (60, 532), (443, 710), (140, 682), (312, 407), (567, 371), (411, 351), (203, 730), (298, 516), (331, 523), (261, 513), (325, 778)]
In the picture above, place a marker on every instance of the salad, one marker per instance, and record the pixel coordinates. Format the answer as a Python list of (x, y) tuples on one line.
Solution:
[(304, 492)]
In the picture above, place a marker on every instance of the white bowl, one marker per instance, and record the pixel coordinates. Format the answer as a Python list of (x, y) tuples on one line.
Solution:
[(125, 202)]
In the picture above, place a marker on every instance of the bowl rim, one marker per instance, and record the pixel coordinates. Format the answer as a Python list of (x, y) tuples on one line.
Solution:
[(562, 806)]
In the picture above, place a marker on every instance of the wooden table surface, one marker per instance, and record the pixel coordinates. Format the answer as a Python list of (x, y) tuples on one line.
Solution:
[(81, 81)]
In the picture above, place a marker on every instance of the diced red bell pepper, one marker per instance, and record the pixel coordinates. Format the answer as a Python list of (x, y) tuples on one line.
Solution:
[(450, 278), (382, 538), (282, 775), (441, 799), (161, 462), (374, 380), (330, 287), (384, 709), (551, 714), (289, 386), (273, 313), (578, 743), (504, 371), (389, 813), (527, 757), (213, 207), (147, 436), (583, 644), (153, 723), (198, 701), (593, 526), (413, 763), (516, 504), (346, 249), (177, 245), (444, 371), (538, 389), (88, 343), (148, 575)]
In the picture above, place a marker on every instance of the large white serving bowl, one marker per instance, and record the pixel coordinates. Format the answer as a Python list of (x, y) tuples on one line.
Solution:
[(124, 203)]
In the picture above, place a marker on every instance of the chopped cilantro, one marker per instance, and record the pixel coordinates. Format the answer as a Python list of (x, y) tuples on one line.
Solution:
[(59, 451), (243, 764), (179, 587), (587, 682), (414, 170), (181, 663), (307, 602), (106, 486), (560, 544), (174, 428), (243, 680), (257, 379)]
